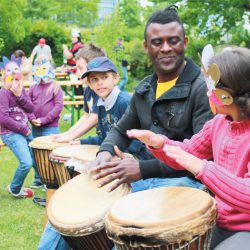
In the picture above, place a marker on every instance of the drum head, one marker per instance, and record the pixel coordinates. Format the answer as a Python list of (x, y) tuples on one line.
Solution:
[(46, 142), (71, 150), (79, 207), (86, 153), (165, 214)]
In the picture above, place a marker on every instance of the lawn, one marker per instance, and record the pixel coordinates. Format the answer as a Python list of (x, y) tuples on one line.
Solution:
[(21, 221)]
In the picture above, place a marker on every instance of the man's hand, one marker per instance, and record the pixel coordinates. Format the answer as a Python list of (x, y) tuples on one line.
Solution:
[(36, 122), (147, 137), (186, 160), (126, 170)]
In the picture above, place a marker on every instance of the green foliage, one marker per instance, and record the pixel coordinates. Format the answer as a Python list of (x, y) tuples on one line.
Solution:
[(139, 64), (11, 20), (130, 12)]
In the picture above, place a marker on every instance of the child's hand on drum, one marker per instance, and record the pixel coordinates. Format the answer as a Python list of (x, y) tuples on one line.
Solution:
[(147, 137), (75, 142), (186, 160)]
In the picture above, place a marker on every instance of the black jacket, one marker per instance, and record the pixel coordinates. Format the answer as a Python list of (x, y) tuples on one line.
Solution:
[(178, 113)]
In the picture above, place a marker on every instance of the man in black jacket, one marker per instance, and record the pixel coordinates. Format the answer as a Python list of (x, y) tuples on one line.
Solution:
[(171, 101)]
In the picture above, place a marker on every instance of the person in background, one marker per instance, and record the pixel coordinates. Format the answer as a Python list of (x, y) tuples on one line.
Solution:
[(90, 119), (47, 98), (120, 58), (26, 65), (70, 54), (171, 101), (41, 51), (225, 139), (15, 104)]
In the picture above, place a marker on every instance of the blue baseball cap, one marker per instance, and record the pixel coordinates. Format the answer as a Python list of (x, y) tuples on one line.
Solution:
[(100, 64)]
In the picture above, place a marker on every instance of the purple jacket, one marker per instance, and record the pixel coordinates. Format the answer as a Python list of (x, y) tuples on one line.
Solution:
[(13, 117), (48, 104)]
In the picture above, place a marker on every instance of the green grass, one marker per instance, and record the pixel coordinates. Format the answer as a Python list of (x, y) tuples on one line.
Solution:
[(21, 221)]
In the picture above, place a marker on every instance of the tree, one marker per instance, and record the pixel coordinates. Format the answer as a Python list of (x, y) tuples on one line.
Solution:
[(130, 12), (11, 17)]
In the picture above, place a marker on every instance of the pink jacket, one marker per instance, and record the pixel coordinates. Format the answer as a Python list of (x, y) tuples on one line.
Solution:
[(228, 176)]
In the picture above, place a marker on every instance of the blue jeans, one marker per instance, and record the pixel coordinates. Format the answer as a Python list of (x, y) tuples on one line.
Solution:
[(124, 78), (42, 131), (165, 182), (19, 145), (52, 240)]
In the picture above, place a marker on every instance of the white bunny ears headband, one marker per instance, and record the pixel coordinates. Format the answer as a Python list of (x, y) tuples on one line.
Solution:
[(216, 95)]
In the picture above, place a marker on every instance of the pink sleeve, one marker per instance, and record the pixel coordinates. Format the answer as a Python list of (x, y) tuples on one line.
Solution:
[(227, 186), (199, 145)]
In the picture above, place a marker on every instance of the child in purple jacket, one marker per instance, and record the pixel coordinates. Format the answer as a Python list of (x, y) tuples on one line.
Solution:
[(14, 129), (47, 97)]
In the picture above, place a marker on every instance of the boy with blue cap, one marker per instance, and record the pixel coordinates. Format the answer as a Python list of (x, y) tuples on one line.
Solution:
[(102, 77)]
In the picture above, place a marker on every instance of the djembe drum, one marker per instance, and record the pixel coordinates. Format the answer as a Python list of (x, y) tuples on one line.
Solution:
[(77, 211), (42, 147), (59, 158), (168, 218)]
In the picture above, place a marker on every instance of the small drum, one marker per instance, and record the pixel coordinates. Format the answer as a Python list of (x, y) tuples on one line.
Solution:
[(42, 147), (168, 218), (77, 210), (61, 155)]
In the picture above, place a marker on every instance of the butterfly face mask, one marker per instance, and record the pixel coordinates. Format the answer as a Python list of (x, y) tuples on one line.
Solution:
[(43, 71), (10, 69), (216, 94)]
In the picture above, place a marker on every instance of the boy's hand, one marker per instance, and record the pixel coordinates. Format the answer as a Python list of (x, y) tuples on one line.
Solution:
[(186, 160), (63, 138), (75, 142), (147, 137)]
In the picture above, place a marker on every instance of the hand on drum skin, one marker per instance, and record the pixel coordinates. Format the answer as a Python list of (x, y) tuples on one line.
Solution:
[(36, 122), (75, 142), (126, 170), (186, 160), (16, 88), (147, 137), (119, 154), (64, 138)]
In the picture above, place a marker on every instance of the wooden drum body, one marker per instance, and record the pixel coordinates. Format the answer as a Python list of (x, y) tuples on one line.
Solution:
[(42, 147), (167, 218), (77, 211), (61, 155)]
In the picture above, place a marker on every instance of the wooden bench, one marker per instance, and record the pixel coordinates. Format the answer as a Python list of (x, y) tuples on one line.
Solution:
[(75, 103), (76, 97)]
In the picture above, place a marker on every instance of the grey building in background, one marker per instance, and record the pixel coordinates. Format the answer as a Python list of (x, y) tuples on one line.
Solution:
[(106, 7)]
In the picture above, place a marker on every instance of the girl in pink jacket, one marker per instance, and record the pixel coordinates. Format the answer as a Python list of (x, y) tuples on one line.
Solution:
[(225, 139)]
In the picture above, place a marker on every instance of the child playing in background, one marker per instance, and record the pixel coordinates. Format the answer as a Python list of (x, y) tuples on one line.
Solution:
[(15, 132), (225, 139), (47, 97), (89, 119)]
